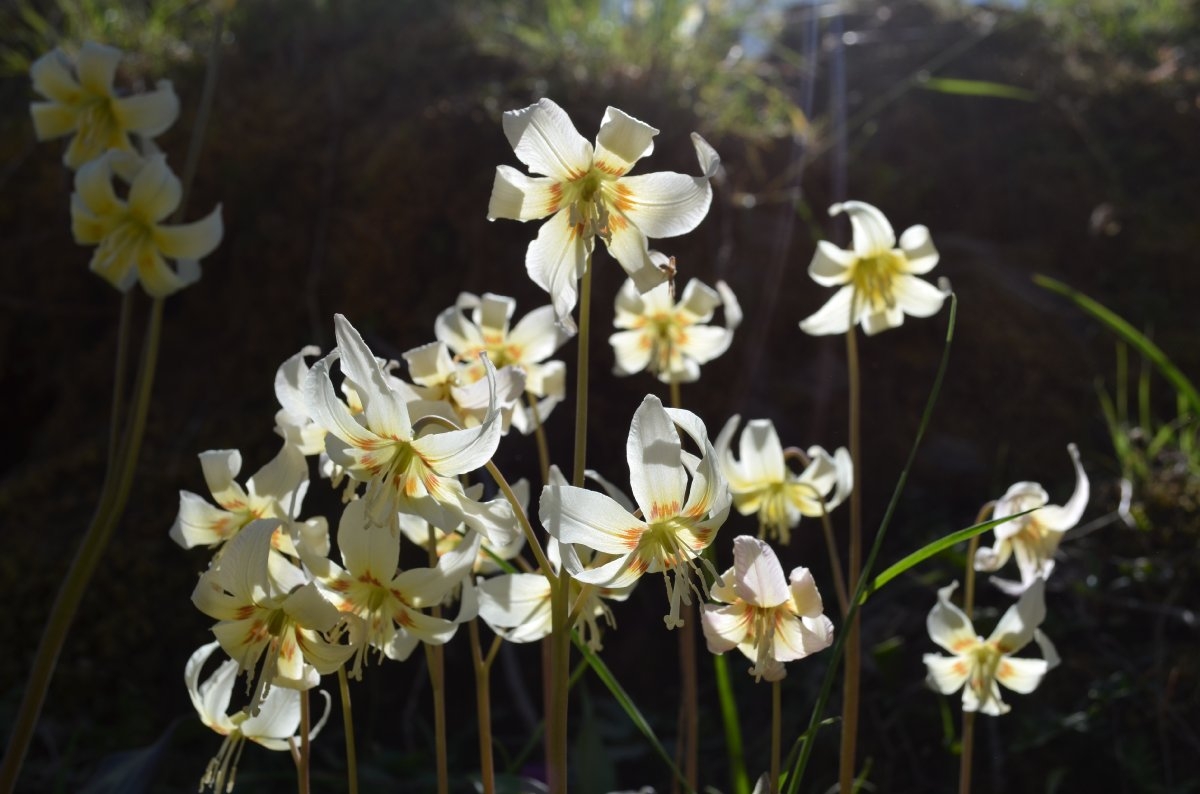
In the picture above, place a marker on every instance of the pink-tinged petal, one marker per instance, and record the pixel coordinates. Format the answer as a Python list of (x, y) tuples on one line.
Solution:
[(621, 142), (556, 260), (1017, 625), (830, 265), (947, 674), (948, 625), (536, 336), (664, 204), (201, 524), (194, 240), (758, 576), (631, 351), (916, 297), (93, 185), (577, 515), (795, 638), (806, 599), (53, 120), (1060, 519), (627, 244), (148, 114), (52, 78), (918, 249), (657, 478), (873, 235), (155, 192), (543, 138), (725, 627), (1021, 675), (96, 66), (385, 411), (833, 317), (518, 197)]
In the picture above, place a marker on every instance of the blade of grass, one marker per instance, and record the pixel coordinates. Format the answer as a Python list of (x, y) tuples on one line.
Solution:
[(977, 88)]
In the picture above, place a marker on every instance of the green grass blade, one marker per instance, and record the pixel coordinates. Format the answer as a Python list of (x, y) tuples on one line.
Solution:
[(739, 780), (1130, 334), (796, 771), (977, 88)]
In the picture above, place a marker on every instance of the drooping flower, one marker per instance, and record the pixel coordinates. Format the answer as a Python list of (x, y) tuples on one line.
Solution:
[(762, 483), (586, 191), (436, 378), (878, 280), (527, 345), (277, 720), (1032, 538), (671, 339), (133, 242), (81, 101), (418, 530), (771, 620), (678, 521), (292, 420), (980, 663)]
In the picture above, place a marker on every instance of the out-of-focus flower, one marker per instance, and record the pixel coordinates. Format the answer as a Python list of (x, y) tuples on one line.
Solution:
[(1034, 537), (418, 530), (678, 522), (879, 283), (771, 620), (292, 420), (526, 345), (438, 379), (981, 663), (671, 339), (133, 242), (276, 722), (82, 101), (762, 483), (587, 192)]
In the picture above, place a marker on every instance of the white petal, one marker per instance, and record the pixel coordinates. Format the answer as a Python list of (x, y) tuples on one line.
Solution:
[(523, 198), (796, 638), (916, 297), (632, 350), (918, 250), (52, 120), (1021, 675), (155, 192), (330, 412), (873, 234), (621, 142), (243, 568), (309, 608), (460, 451), (289, 381), (386, 413), (93, 184), (199, 523), (536, 336), (148, 114), (833, 317), (96, 65), (367, 550), (628, 246), (758, 576), (665, 204), (1017, 625), (220, 466), (556, 260), (725, 627), (630, 305), (513, 600), (210, 699), (698, 301), (806, 599), (460, 334), (656, 474), (543, 137), (947, 674), (577, 515), (52, 78), (493, 312), (1060, 519), (191, 240), (830, 265), (948, 625), (277, 719), (761, 455)]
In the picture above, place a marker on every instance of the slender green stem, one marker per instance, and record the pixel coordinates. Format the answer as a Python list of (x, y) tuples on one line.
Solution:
[(302, 765), (539, 434), (853, 657), (531, 538), (207, 94), (676, 397), (560, 660), (688, 747), (348, 726), (835, 562), (581, 375), (739, 781), (435, 658), (119, 378), (776, 732), (968, 717), (483, 709)]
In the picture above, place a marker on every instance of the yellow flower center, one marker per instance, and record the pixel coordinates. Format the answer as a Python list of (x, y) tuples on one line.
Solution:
[(121, 248), (874, 279), (97, 127), (773, 518)]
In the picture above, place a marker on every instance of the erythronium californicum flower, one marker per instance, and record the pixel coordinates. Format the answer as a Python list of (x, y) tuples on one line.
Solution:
[(133, 243), (761, 481), (418, 531), (403, 469), (678, 521), (292, 420), (771, 620), (1032, 538), (671, 339), (276, 491), (527, 345), (82, 102), (878, 280), (585, 190), (389, 601), (277, 720), (980, 663), (438, 379), (267, 606)]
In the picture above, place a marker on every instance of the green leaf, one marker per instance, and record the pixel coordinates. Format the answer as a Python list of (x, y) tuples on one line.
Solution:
[(980, 88), (1130, 334)]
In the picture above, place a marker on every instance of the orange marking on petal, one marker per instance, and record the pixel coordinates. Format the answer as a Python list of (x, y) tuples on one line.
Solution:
[(660, 510), (404, 619), (555, 198), (639, 565), (245, 612), (631, 537), (962, 645), (959, 667), (624, 199), (617, 223), (1005, 671)]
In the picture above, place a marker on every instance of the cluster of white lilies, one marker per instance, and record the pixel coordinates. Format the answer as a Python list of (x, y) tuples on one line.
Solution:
[(294, 602)]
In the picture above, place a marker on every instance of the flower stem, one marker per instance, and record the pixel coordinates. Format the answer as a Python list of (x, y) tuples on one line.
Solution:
[(348, 727), (119, 378), (968, 720), (740, 783), (539, 434), (581, 375), (302, 765), (853, 652), (207, 93), (835, 562), (522, 519), (687, 749), (483, 709), (776, 732), (436, 661)]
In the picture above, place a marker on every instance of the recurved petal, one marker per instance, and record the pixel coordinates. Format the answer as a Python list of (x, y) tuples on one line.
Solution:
[(512, 600), (631, 350), (698, 302), (211, 698), (457, 452), (918, 249), (96, 65), (149, 114), (1021, 675), (703, 343), (725, 627), (806, 599), (519, 197), (459, 333), (796, 638), (93, 185), (665, 204), (155, 191), (367, 550), (657, 478), (917, 297), (157, 277), (621, 142), (199, 523), (947, 674), (1018, 624), (537, 336), (543, 137), (277, 719), (330, 412), (52, 119), (220, 466), (556, 260), (873, 235), (52, 78), (761, 455), (387, 414), (628, 246), (758, 576), (833, 317), (309, 608), (1060, 519), (830, 265), (194, 240), (948, 625), (577, 515)]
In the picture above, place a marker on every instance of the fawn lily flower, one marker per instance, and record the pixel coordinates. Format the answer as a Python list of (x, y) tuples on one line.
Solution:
[(438, 379), (83, 102), (981, 663), (379, 446), (526, 345), (586, 191), (879, 280), (771, 620), (1034, 537), (678, 521), (132, 241), (276, 491), (267, 607), (762, 483), (671, 339), (276, 722), (386, 599), (418, 530), (292, 420)]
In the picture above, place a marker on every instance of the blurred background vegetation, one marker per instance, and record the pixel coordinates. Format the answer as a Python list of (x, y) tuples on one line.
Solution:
[(353, 148)]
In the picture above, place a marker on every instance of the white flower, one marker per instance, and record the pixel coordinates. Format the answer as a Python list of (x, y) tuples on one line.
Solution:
[(880, 280), (671, 339), (470, 398), (1032, 538), (586, 190), (292, 420), (771, 620), (980, 663), (84, 103)]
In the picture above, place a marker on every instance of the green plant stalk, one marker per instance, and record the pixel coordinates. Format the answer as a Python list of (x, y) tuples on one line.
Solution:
[(739, 781), (302, 764), (853, 648), (348, 729), (967, 749), (776, 732), (207, 94), (688, 746), (835, 561), (539, 434), (483, 708), (119, 378), (114, 496), (522, 519), (805, 740), (435, 658), (581, 376)]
